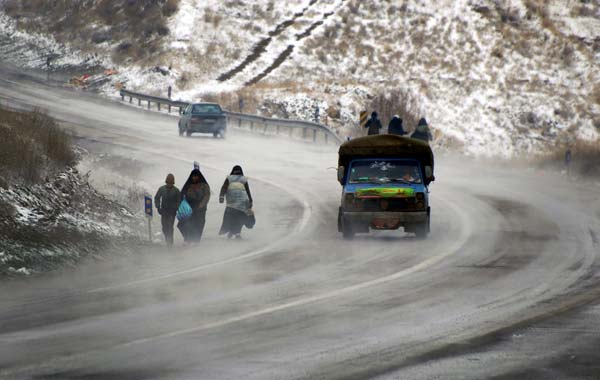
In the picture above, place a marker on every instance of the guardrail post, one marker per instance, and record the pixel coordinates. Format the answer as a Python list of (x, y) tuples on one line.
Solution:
[(139, 102), (148, 104), (240, 123), (251, 125), (130, 99), (265, 129), (291, 132), (326, 137), (277, 131), (169, 108), (122, 97), (159, 106), (304, 133), (314, 135)]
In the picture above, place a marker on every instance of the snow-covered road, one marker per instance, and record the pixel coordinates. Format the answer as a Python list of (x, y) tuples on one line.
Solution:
[(294, 300)]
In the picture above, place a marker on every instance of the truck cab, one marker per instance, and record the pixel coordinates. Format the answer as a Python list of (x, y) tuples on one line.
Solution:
[(385, 183)]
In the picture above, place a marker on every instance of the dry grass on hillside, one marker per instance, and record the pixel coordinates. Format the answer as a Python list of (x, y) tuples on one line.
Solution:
[(585, 161), (134, 27), (32, 145), (397, 102)]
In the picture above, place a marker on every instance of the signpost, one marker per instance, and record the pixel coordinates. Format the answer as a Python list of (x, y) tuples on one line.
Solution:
[(148, 212), (363, 118)]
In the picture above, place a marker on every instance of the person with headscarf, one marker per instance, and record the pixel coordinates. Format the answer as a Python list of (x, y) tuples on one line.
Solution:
[(196, 192), (236, 193), (167, 200), (422, 132), (373, 124), (395, 127)]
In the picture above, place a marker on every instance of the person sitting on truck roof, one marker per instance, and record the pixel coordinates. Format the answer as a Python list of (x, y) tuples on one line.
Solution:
[(395, 126), (373, 124), (422, 132)]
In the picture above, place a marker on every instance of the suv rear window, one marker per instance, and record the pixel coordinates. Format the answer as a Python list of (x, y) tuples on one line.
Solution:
[(206, 108)]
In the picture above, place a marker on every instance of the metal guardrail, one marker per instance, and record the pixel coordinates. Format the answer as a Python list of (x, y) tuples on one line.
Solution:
[(293, 128)]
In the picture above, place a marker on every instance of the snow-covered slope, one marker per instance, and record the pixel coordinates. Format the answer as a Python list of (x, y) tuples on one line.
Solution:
[(492, 77)]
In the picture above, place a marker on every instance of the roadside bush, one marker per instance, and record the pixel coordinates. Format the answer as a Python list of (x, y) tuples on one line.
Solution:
[(584, 161), (397, 102), (32, 145)]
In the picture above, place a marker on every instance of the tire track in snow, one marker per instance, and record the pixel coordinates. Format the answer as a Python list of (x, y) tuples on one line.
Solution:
[(288, 51), (257, 70), (261, 46)]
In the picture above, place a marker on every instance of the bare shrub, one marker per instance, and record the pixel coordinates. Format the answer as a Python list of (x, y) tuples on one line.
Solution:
[(584, 161), (397, 102), (583, 11), (183, 82), (596, 93), (509, 15), (32, 144), (170, 7), (567, 54)]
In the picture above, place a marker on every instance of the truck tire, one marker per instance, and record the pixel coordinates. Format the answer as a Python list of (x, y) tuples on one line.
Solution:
[(347, 230), (219, 134), (422, 229)]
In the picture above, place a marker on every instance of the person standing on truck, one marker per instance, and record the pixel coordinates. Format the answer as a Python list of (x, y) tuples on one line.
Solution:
[(373, 124), (422, 132), (167, 200), (236, 192), (196, 192), (395, 127)]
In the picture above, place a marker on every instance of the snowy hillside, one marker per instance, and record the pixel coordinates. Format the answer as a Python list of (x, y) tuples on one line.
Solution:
[(492, 77)]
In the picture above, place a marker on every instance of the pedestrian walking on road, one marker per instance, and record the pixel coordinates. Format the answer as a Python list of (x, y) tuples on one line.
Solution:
[(236, 193), (422, 132), (373, 125), (395, 127), (167, 200), (196, 192)]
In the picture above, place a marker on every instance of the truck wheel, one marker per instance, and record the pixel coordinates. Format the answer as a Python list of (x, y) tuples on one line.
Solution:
[(347, 230), (219, 134), (422, 229)]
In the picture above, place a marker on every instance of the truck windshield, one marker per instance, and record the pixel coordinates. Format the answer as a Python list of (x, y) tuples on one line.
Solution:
[(384, 171)]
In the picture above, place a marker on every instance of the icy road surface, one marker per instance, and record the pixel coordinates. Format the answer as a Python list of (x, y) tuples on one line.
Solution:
[(295, 301)]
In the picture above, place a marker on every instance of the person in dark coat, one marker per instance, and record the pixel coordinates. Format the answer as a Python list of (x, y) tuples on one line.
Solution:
[(395, 127), (196, 192), (236, 192), (422, 132), (373, 125), (167, 200)]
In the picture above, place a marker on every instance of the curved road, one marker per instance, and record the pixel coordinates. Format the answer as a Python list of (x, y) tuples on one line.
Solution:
[(293, 300)]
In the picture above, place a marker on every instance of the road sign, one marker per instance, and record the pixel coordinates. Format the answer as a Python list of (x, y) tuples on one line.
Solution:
[(148, 206), (363, 118), (148, 212)]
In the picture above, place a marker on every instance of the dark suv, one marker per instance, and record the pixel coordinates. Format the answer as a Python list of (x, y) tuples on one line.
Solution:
[(203, 118)]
